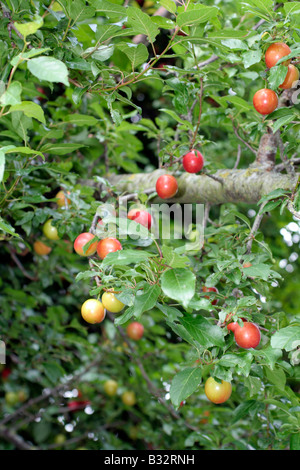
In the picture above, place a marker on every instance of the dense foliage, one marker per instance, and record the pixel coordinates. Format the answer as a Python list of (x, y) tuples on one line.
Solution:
[(93, 89)]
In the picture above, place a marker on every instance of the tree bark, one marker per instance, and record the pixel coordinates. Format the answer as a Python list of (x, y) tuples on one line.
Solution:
[(245, 186)]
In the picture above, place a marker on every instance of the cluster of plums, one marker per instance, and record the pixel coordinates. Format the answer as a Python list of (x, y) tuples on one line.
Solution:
[(265, 101), (167, 186)]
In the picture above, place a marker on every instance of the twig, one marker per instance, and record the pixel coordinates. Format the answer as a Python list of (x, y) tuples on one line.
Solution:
[(49, 392), (235, 130), (18, 441), (200, 113), (255, 227), (286, 162), (21, 267), (238, 157)]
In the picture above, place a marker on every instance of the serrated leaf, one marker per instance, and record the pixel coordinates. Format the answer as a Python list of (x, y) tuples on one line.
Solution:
[(30, 109), (205, 333), (136, 53), (81, 119), (2, 164), (108, 9), (287, 338), (184, 384), (246, 408), (201, 14), (29, 28), (12, 95), (61, 148), (146, 299), (179, 284), (141, 23), (49, 69), (126, 257)]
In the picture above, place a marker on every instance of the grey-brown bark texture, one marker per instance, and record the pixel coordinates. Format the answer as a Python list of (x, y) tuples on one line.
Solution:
[(247, 185)]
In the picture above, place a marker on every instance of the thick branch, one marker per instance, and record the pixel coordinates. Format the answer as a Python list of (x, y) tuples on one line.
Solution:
[(247, 185)]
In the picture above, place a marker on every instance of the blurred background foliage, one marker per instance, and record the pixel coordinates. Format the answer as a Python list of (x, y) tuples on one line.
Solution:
[(53, 357)]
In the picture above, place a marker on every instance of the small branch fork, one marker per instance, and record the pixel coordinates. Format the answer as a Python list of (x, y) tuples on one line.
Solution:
[(255, 228)]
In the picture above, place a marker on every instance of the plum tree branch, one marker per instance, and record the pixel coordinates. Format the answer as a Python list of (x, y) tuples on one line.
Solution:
[(242, 185)]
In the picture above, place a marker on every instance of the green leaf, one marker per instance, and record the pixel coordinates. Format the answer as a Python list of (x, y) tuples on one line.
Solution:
[(246, 408), (251, 58), (53, 371), (179, 284), (201, 14), (242, 362), (169, 5), (287, 338), (25, 151), (81, 120), (49, 69), (136, 53), (61, 148), (277, 76), (141, 23), (241, 104), (206, 334), (103, 7), (184, 384), (102, 53), (253, 384), (260, 271), (12, 95), (7, 228), (171, 313), (41, 431), (109, 31), (173, 259), (276, 376), (30, 109), (29, 28), (27, 55), (262, 8), (79, 11), (270, 206), (2, 164), (283, 121), (126, 257), (121, 319), (21, 124), (177, 118), (145, 300), (234, 44), (295, 441)]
